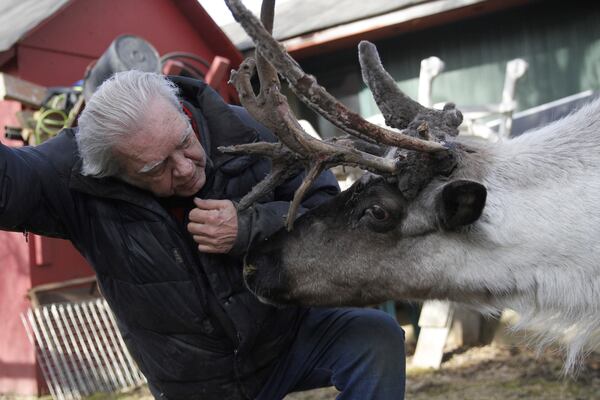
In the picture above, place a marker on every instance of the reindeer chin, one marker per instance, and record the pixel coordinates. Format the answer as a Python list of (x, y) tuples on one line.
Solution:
[(265, 279)]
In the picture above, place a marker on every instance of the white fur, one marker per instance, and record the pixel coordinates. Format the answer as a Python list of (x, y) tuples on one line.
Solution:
[(536, 247)]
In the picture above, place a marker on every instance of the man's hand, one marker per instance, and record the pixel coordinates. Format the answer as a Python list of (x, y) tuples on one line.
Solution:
[(214, 225)]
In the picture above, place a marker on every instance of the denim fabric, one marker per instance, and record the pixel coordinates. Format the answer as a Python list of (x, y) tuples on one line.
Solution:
[(359, 351)]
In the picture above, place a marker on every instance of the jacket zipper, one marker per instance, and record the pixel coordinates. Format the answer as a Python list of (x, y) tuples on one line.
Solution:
[(226, 322)]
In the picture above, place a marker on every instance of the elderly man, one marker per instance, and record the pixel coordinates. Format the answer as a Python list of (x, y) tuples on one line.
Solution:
[(143, 193)]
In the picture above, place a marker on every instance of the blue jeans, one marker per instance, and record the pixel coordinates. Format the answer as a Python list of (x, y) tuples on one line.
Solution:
[(359, 351)]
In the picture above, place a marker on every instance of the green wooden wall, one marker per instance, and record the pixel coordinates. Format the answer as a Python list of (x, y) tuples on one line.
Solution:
[(559, 39)]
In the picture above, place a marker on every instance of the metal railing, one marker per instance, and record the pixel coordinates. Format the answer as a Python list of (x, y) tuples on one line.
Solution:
[(80, 349)]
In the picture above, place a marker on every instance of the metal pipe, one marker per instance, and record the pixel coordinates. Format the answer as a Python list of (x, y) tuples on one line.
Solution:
[(71, 347), (34, 338), (104, 380), (105, 361), (113, 336), (46, 352), (62, 363), (95, 383), (132, 364), (108, 348)]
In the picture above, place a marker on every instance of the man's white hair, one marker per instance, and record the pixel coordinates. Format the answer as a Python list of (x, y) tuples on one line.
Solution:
[(118, 108)]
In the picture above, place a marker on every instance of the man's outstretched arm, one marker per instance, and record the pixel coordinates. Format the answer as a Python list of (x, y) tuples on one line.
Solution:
[(33, 193)]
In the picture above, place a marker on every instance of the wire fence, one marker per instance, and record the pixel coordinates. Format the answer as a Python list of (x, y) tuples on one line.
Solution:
[(80, 349)]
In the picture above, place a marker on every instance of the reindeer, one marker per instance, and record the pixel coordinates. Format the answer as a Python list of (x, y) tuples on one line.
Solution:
[(494, 225)]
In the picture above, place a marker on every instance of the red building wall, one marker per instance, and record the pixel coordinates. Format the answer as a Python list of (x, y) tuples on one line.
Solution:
[(56, 53), (58, 50), (17, 358)]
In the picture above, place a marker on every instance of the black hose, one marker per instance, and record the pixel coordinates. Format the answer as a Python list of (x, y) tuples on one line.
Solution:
[(182, 54)]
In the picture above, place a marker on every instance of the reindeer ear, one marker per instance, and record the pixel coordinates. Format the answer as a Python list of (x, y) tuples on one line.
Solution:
[(461, 203)]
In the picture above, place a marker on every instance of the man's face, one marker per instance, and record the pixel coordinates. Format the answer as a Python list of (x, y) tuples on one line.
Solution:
[(164, 156)]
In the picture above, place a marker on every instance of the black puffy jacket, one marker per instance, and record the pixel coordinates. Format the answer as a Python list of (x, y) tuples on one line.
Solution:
[(189, 322)]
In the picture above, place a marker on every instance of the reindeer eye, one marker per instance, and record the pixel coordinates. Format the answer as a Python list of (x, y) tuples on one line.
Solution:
[(377, 212)]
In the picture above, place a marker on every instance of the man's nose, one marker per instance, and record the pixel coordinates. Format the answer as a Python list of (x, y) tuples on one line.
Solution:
[(183, 166)]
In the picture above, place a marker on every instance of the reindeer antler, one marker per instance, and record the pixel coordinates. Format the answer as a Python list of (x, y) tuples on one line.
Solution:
[(399, 110), (297, 149)]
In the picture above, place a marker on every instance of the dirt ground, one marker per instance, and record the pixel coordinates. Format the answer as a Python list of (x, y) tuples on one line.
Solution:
[(503, 370), (493, 372)]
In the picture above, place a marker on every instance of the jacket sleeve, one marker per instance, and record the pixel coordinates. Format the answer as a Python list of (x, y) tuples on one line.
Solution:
[(33, 195), (261, 220)]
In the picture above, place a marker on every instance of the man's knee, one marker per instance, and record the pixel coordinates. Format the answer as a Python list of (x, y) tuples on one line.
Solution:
[(374, 340), (376, 332)]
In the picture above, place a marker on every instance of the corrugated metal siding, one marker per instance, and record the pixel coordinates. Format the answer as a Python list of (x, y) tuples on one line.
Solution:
[(560, 41)]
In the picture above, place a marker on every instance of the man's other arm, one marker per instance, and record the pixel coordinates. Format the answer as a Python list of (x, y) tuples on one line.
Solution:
[(263, 219)]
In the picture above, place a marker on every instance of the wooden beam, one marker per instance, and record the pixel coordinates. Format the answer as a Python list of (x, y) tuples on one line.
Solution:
[(13, 88), (219, 67)]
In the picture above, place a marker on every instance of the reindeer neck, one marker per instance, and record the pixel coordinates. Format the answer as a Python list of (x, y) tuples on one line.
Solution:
[(540, 227)]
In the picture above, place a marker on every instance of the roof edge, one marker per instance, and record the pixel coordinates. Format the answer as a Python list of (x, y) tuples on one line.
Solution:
[(7, 55), (420, 16), (193, 12)]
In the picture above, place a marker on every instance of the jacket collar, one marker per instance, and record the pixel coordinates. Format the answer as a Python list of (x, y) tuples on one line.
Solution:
[(110, 188), (224, 127)]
